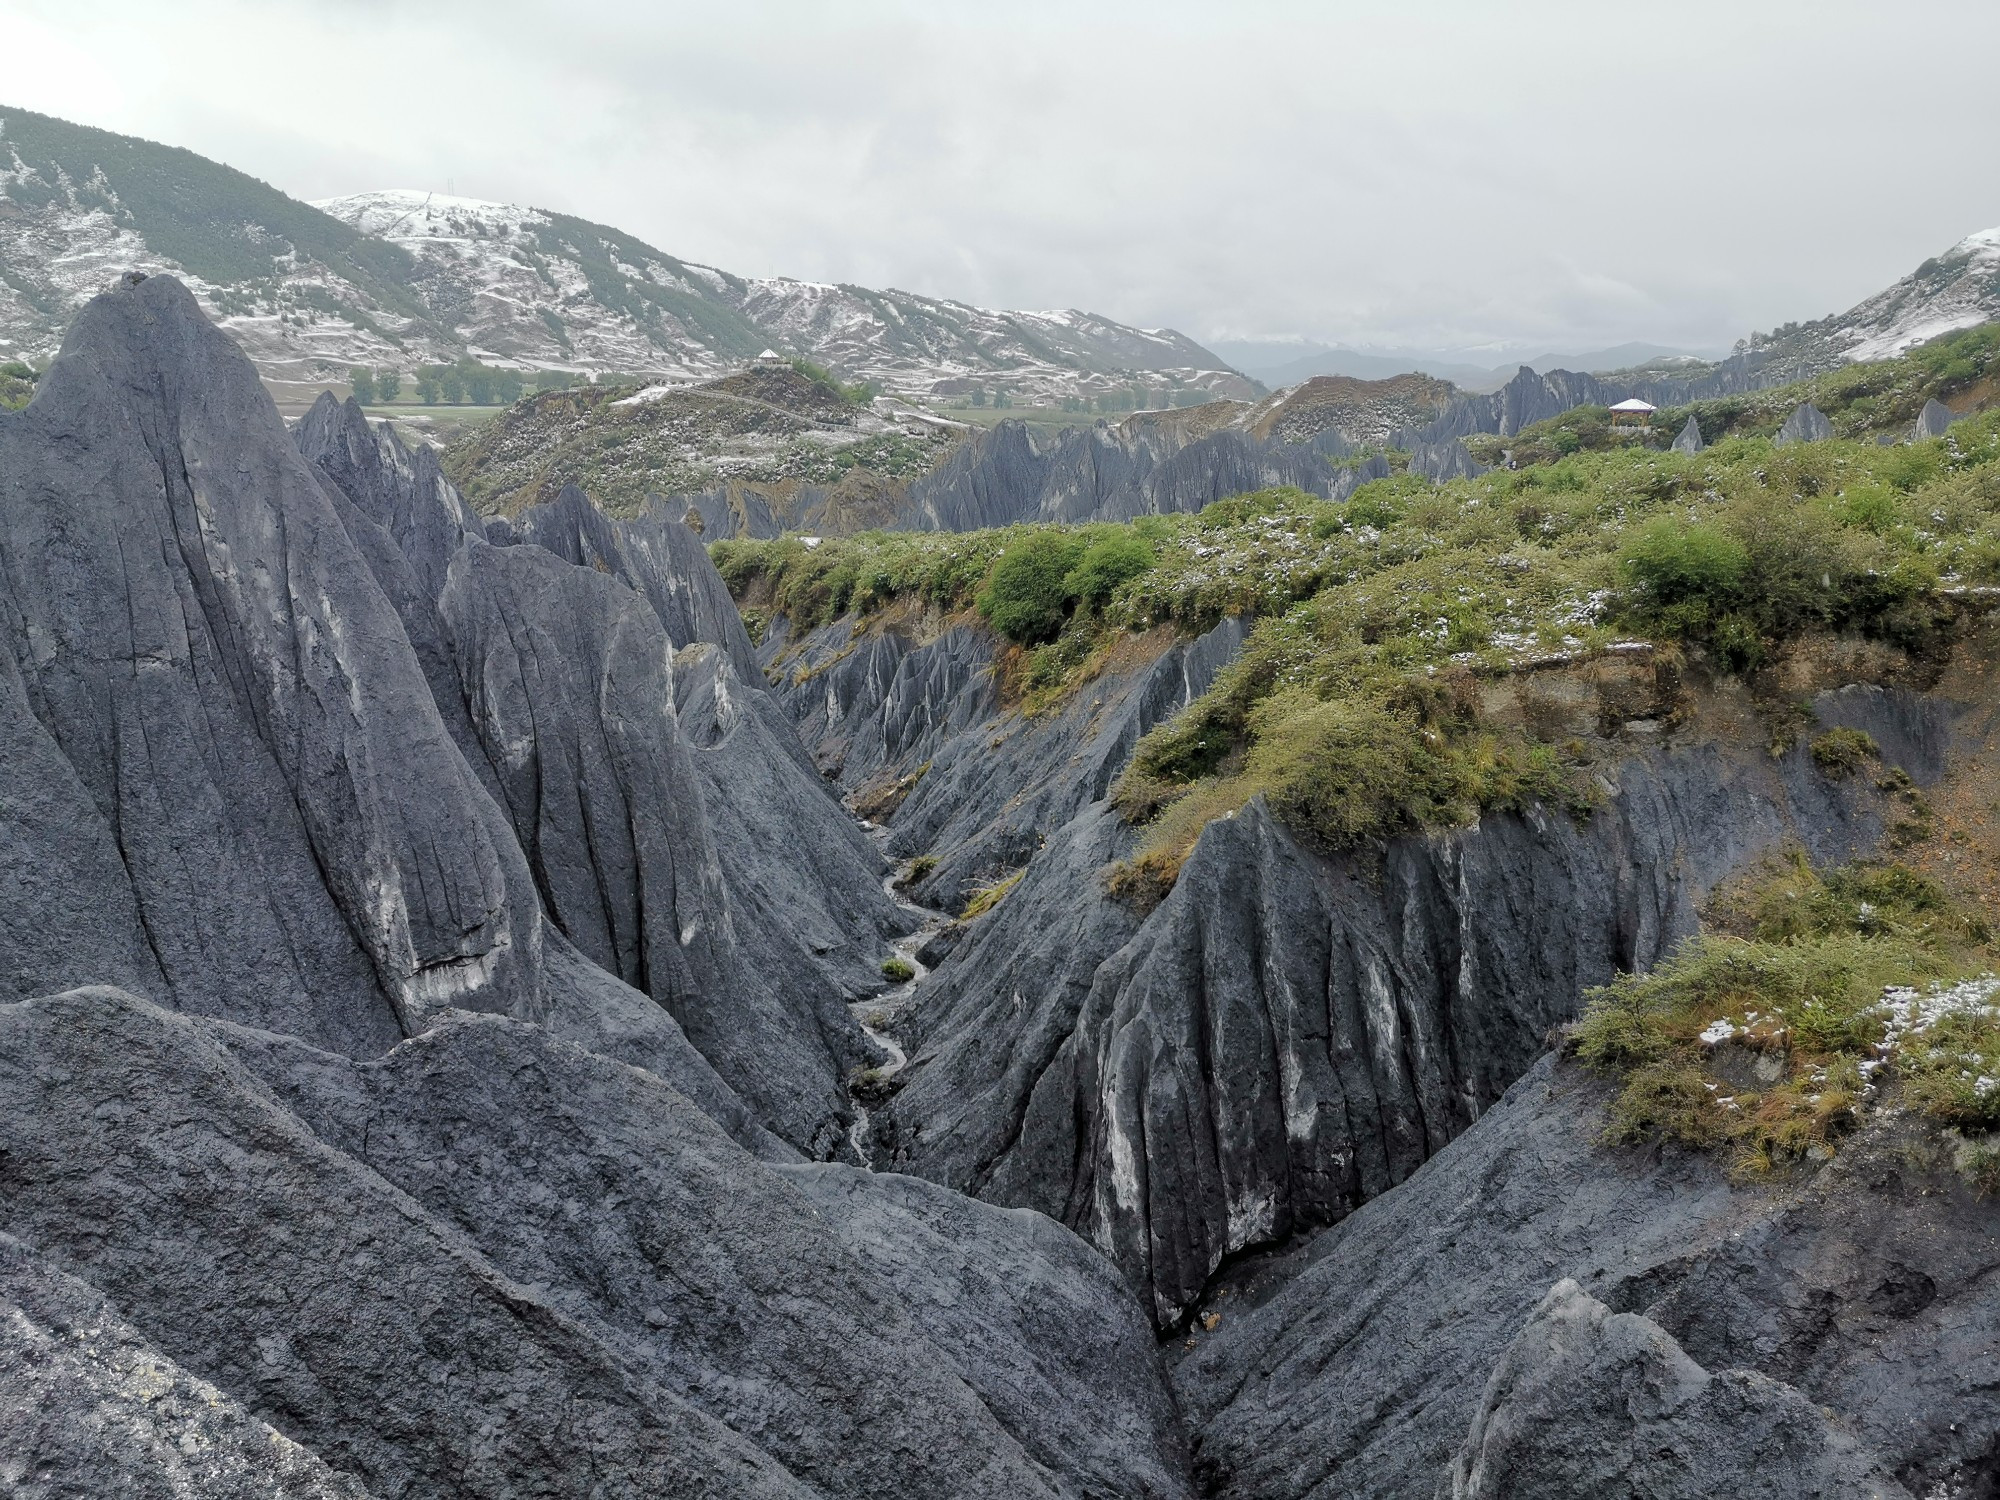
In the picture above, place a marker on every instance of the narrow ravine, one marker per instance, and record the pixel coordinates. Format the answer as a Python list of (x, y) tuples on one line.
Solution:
[(876, 1013)]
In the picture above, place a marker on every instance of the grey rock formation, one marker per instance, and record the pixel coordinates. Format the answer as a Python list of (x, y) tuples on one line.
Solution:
[(1588, 1404), (1287, 1036), (656, 556), (1106, 473), (91, 1409), (1439, 462), (1690, 439), (492, 1263), (1933, 421), (189, 623), (1806, 424), (1532, 397), (1862, 1284), (721, 880)]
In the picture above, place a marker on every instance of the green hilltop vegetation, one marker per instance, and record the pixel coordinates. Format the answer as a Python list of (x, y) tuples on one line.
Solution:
[(778, 427), (17, 385), (1812, 1000), (1355, 708), (1364, 706)]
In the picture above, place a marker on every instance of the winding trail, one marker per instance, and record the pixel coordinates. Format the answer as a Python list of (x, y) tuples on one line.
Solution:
[(877, 1012)]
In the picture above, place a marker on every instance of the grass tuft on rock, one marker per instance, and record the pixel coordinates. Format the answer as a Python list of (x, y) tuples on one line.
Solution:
[(1774, 1040)]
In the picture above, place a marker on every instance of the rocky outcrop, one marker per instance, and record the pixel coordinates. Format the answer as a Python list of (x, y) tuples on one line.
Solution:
[(91, 1408), (1933, 421), (1362, 1367), (1690, 439), (189, 626), (1806, 424), (1532, 397), (1106, 473), (1287, 1036), (654, 556), (1439, 462), (492, 1263), (1588, 1404), (977, 787), (674, 866)]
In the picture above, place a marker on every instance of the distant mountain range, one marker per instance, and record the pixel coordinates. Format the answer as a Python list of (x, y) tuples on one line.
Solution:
[(1280, 363), (1952, 290), (401, 279)]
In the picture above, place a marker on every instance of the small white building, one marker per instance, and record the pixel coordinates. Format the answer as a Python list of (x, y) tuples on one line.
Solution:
[(1632, 409)]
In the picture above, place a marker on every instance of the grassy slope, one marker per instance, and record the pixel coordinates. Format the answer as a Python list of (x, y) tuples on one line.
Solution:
[(224, 225), (753, 427), (1357, 706)]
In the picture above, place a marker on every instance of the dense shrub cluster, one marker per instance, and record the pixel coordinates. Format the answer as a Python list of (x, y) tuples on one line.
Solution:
[(1353, 706)]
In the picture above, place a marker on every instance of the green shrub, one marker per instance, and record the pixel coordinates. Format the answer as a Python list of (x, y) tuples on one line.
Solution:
[(1692, 574), (1105, 564), (1027, 599), (1840, 752), (898, 970), (1339, 772)]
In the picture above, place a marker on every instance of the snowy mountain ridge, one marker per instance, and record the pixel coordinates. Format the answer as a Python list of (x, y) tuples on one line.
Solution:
[(403, 278)]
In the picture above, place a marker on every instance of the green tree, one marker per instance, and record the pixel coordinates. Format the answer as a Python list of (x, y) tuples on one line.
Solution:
[(430, 384), (1026, 598), (979, 396), (478, 383), (362, 383), (1106, 564), (554, 380), (451, 385), (388, 386)]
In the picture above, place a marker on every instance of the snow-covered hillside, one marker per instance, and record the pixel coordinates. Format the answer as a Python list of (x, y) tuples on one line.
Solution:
[(539, 288), (1954, 290), (400, 279)]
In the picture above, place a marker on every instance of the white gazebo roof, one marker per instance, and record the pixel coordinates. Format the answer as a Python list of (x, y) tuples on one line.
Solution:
[(1634, 404)]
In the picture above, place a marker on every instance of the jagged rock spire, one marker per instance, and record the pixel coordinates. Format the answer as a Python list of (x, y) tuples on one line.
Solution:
[(1806, 424), (1932, 420), (1690, 440)]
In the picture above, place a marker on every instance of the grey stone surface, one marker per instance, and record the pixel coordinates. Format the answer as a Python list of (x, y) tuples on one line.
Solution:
[(1106, 473), (1864, 1284), (1690, 439), (1806, 424), (1439, 462), (491, 1263), (721, 879), (1286, 1035), (190, 626), (989, 785), (653, 554), (1933, 421), (1588, 1404), (89, 1409)]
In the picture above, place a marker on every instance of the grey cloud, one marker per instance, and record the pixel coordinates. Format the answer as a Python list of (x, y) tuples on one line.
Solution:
[(1447, 174)]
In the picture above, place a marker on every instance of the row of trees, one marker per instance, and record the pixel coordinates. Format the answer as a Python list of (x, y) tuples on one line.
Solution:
[(465, 382)]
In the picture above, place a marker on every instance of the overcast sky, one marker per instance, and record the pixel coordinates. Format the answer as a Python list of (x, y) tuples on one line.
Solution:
[(1442, 176)]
